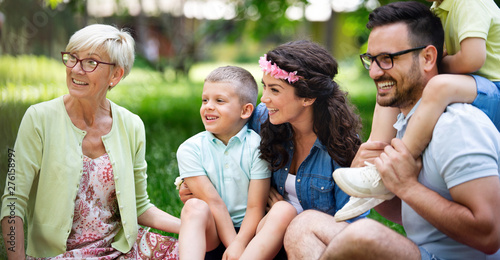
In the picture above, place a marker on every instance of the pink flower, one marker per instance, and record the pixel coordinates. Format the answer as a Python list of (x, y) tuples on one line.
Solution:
[(276, 72)]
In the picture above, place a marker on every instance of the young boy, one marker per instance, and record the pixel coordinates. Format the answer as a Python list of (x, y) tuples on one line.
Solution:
[(222, 168), (472, 42)]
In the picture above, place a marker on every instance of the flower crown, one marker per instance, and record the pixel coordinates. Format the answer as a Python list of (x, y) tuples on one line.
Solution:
[(276, 72)]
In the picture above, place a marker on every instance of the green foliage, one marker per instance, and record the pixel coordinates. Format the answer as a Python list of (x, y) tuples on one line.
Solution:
[(267, 18)]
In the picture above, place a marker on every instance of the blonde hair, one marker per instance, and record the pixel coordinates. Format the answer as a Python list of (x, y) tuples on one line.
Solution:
[(244, 83), (118, 44)]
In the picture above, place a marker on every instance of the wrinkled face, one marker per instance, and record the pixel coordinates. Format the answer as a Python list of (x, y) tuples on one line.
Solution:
[(90, 85), (401, 85), (221, 110), (280, 99)]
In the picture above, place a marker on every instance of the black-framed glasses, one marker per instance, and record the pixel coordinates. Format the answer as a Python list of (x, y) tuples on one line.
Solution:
[(87, 65), (385, 61)]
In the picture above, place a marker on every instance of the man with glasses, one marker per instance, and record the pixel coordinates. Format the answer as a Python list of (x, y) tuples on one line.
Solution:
[(449, 203)]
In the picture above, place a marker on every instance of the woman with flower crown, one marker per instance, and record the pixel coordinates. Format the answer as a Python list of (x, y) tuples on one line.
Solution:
[(308, 129)]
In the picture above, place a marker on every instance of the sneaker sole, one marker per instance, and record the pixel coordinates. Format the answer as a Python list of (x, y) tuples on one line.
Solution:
[(354, 212), (352, 192)]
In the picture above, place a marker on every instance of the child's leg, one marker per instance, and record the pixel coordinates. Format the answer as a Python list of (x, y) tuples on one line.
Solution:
[(488, 98), (270, 232), (198, 233), (439, 92), (383, 119)]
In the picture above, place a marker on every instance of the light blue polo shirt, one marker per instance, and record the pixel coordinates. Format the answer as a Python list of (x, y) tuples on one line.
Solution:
[(230, 168), (465, 146)]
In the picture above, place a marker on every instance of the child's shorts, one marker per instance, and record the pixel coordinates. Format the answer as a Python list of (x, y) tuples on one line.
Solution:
[(425, 255), (488, 98)]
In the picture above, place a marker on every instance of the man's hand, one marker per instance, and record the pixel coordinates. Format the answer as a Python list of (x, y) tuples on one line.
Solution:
[(368, 152), (185, 193), (397, 167)]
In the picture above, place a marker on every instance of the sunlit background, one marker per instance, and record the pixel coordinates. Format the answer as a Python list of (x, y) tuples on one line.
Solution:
[(174, 34)]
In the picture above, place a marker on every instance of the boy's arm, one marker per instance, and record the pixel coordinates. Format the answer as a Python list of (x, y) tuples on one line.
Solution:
[(256, 207), (440, 91), (469, 59), (382, 123), (203, 189)]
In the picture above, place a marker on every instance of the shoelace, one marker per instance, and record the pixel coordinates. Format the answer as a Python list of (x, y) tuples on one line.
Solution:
[(371, 174)]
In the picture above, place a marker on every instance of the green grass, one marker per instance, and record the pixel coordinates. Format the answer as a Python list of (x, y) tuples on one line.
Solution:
[(168, 107)]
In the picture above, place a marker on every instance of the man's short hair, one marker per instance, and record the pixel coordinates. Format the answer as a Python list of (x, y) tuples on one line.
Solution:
[(424, 28)]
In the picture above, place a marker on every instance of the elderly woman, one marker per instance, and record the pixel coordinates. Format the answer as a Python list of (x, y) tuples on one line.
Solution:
[(79, 172)]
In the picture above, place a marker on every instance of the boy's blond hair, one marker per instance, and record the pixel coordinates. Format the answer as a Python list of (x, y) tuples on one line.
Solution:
[(243, 82)]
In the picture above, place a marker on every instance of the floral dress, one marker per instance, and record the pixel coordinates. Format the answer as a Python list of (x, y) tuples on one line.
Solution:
[(97, 220)]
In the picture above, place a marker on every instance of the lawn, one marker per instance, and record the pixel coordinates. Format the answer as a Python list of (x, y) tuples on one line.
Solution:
[(168, 107)]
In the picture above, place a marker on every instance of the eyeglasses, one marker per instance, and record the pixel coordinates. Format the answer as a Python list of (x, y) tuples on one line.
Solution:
[(384, 60), (87, 65)]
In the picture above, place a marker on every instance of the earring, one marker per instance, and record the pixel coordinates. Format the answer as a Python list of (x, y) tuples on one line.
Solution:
[(111, 84)]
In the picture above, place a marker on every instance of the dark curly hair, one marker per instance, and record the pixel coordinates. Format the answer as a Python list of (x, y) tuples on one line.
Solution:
[(335, 122)]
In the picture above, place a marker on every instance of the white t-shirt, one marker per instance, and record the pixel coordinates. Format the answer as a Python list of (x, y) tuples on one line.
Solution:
[(290, 194)]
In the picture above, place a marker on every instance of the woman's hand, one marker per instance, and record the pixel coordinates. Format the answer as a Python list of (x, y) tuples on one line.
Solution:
[(185, 193), (274, 197)]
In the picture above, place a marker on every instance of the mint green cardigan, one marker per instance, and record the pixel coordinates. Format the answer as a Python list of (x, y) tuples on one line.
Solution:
[(48, 168)]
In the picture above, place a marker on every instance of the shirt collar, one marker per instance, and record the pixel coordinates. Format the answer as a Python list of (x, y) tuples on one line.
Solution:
[(445, 6), (403, 120), (239, 136), (316, 144)]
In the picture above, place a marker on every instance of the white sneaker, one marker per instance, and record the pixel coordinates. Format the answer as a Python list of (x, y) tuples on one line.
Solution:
[(363, 182), (355, 207)]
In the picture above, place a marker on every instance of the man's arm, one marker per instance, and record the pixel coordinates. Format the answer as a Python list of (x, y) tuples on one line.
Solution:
[(471, 217), (258, 193), (203, 189), (368, 151)]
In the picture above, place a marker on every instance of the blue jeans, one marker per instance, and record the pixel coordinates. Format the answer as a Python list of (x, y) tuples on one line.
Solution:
[(488, 98), (425, 255)]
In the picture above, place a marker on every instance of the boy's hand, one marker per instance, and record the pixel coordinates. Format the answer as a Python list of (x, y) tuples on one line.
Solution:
[(185, 193)]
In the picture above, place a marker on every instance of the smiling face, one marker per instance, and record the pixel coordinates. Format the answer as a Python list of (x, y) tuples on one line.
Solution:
[(92, 85), (221, 110), (402, 85), (283, 104)]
